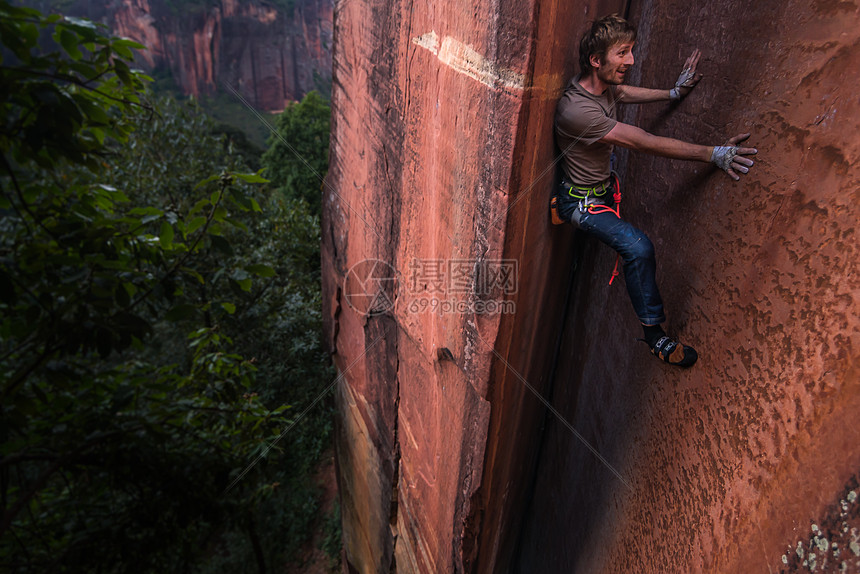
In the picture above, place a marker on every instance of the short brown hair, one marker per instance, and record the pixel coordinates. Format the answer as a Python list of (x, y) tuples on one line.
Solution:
[(604, 34)]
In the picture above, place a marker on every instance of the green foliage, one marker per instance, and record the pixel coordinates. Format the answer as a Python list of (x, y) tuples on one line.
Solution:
[(234, 118), (62, 105), (322, 84), (297, 159), (155, 321), (333, 533)]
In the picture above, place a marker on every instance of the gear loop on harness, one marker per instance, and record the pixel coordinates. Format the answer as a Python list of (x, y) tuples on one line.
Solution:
[(598, 190)]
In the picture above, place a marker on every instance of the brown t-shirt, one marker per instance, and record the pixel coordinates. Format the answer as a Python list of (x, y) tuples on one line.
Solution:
[(581, 119)]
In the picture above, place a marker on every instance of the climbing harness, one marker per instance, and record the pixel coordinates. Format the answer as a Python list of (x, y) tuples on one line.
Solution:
[(598, 191), (591, 201)]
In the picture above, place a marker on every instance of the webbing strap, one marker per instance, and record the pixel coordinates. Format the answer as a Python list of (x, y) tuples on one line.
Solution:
[(598, 190)]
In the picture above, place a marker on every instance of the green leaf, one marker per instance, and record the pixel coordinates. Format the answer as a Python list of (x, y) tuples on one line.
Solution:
[(166, 235), (236, 223), (81, 23), (123, 51), (199, 206), (40, 394), (146, 211), (209, 179), (69, 41), (251, 177), (99, 134), (30, 33), (129, 43), (221, 244), (130, 289), (123, 73), (229, 307), (261, 270), (93, 112), (195, 224), (181, 311), (220, 213), (194, 274)]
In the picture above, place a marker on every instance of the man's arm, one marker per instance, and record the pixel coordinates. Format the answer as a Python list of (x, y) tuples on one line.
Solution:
[(637, 95), (686, 82), (632, 137), (638, 139)]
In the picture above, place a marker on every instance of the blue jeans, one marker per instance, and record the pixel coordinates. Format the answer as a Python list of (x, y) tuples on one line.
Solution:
[(635, 249)]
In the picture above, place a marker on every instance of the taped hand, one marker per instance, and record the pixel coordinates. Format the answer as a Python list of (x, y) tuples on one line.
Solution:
[(688, 78), (730, 158)]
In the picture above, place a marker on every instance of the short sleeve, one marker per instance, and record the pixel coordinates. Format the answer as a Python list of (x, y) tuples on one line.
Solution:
[(586, 122)]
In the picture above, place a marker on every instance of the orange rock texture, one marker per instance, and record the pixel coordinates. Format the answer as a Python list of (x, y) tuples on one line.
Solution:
[(540, 436), (270, 54)]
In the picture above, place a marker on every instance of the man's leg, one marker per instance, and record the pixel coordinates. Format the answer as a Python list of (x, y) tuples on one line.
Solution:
[(640, 264), (640, 274)]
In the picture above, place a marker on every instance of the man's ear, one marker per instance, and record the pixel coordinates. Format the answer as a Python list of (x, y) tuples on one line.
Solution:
[(595, 60)]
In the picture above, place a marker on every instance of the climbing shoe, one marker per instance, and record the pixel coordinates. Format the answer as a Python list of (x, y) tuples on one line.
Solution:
[(553, 209), (673, 352)]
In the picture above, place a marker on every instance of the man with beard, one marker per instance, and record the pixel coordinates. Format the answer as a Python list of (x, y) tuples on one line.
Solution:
[(587, 129)]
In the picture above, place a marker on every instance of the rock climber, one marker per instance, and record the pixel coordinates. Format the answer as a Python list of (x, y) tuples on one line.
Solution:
[(587, 128)]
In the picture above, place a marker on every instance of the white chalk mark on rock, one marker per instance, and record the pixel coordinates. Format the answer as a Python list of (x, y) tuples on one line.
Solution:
[(464, 59)]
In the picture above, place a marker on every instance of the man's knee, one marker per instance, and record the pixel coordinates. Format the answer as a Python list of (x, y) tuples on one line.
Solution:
[(640, 249)]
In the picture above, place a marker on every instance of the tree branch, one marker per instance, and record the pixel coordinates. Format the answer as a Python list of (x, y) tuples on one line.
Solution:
[(173, 268), (39, 483), (76, 81)]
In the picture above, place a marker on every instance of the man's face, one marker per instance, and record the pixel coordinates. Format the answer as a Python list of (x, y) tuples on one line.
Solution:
[(612, 68)]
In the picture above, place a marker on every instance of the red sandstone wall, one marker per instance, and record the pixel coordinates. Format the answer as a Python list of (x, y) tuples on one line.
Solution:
[(441, 143), (732, 461), (426, 101), (269, 55)]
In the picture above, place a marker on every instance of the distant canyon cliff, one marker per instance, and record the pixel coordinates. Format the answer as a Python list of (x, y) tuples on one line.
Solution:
[(272, 53)]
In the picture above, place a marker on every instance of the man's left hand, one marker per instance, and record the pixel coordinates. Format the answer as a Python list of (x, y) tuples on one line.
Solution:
[(689, 77), (729, 157)]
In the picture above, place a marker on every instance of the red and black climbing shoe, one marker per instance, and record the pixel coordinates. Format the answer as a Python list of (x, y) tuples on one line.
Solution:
[(674, 352)]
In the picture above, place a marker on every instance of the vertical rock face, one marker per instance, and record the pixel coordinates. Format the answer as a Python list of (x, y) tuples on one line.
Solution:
[(731, 461), (425, 111), (442, 151), (271, 54)]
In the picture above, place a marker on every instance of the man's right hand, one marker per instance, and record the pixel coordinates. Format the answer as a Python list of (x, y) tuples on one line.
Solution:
[(729, 157)]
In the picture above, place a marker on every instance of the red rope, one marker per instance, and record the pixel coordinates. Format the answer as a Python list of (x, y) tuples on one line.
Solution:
[(617, 212)]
